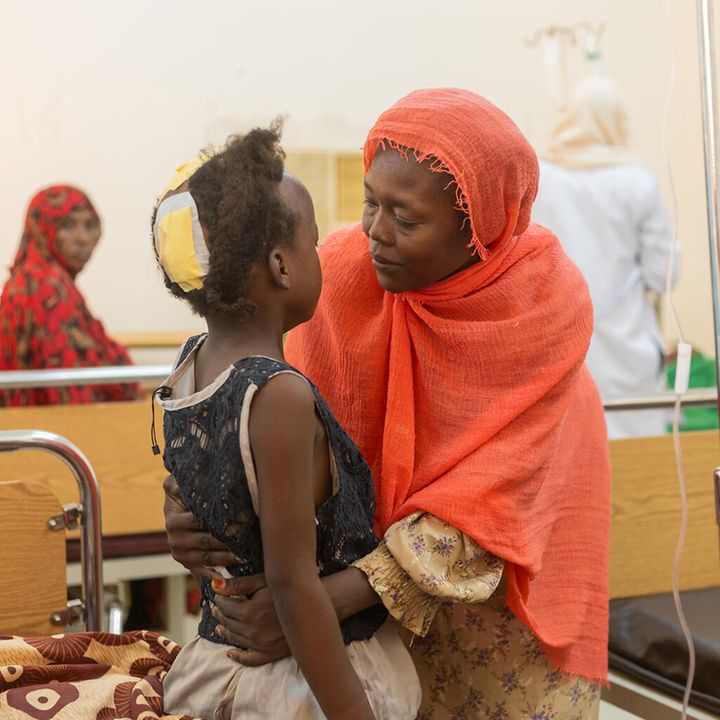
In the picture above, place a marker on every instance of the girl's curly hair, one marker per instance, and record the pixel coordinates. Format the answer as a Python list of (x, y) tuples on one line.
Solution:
[(242, 215)]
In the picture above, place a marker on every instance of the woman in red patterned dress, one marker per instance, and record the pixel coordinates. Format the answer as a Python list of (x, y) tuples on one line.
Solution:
[(44, 321)]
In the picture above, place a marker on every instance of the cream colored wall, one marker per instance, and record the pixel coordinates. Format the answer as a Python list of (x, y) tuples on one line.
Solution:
[(113, 96)]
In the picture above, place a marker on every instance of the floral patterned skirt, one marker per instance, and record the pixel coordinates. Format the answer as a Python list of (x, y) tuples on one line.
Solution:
[(480, 661)]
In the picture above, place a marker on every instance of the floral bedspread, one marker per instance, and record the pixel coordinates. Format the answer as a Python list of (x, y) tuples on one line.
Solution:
[(85, 676)]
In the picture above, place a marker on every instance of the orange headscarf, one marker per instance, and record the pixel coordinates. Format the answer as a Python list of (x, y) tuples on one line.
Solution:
[(469, 398)]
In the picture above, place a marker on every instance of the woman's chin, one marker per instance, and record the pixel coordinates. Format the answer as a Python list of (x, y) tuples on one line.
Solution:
[(389, 283)]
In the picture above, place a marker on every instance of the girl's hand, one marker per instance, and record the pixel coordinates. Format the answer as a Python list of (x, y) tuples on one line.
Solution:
[(245, 610), (190, 545)]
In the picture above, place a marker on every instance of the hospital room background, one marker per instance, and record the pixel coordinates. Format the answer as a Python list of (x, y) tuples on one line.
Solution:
[(109, 96)]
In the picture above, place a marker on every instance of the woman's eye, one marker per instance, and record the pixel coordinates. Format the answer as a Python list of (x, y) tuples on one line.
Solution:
[(404, 223), (367, 202)]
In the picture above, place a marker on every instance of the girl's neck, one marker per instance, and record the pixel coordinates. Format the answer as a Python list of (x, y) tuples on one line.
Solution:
[(229, 341), (254, 336)]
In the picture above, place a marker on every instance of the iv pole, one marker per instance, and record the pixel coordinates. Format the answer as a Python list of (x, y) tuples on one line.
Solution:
[(710, 140)]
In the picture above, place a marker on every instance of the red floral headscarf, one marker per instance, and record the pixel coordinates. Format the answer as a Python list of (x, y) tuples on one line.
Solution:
[(44, 321)]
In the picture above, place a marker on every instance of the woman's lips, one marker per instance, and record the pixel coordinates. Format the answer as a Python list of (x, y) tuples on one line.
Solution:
[(379, 261)]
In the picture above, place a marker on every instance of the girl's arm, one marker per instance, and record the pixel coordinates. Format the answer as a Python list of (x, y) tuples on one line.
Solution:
[(282, 431), (199, 552), (394, 574), (250, 625)]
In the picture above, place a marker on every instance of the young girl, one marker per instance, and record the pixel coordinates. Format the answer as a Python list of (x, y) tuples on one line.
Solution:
[(259, 457)]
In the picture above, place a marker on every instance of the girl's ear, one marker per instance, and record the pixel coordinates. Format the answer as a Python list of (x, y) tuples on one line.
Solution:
[(279, 269)]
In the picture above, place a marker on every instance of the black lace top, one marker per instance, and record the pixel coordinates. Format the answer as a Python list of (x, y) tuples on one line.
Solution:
[(202, 451)]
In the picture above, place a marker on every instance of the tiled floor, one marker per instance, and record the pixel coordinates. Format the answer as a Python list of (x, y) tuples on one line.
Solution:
[(610, 712), (633, 700)]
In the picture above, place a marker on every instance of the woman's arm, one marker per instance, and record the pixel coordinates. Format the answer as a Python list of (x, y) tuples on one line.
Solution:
[(424, 561), (282, 431), (421, 562), (244, 606), (252, 624)]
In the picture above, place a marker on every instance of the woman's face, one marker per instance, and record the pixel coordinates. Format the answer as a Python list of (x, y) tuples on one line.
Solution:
[(416, 235), (77, 235)]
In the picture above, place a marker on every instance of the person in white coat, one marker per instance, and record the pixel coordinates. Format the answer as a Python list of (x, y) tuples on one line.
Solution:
[(607, 211)]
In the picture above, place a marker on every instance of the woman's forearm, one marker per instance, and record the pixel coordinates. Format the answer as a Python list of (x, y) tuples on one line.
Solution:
[(350, 592)]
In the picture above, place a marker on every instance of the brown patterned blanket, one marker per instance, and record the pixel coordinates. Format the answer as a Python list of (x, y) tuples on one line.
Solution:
[(85, 676)]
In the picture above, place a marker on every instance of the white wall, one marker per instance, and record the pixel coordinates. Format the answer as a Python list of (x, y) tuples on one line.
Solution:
[(113, 96)]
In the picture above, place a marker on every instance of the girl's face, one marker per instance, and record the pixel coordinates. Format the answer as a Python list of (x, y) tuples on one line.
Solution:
[(77, 235), (416, 235), (306, 275)]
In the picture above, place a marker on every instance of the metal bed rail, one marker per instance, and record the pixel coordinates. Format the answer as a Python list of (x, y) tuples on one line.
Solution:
[(692, 398), (91, 519), (14, 379)]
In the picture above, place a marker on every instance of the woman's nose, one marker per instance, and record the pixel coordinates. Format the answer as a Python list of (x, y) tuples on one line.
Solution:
[(379, 231), (84, 236)]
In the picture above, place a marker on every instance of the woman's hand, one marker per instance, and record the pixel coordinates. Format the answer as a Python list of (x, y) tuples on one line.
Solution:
[(245, 612), (190, 545), (244, 606)]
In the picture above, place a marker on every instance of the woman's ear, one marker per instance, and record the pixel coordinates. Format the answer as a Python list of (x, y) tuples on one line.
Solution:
[(279, 270)]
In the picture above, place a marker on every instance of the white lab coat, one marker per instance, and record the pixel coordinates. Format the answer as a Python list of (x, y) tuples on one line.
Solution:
[(612, 223)]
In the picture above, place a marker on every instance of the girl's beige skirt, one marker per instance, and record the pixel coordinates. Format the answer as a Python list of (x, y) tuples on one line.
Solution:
[(204, 682)]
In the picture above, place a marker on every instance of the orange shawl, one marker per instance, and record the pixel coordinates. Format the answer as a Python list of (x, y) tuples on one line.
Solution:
[(469, 398)]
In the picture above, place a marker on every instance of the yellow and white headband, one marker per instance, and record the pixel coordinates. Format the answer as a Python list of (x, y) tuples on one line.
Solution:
[(179, 240)]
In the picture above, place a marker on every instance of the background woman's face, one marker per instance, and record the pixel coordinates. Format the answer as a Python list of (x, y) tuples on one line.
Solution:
[(77, 235), (416, 234)]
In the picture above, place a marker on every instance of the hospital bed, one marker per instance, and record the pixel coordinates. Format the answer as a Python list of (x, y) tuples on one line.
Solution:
[(45, 671), (647, 651)]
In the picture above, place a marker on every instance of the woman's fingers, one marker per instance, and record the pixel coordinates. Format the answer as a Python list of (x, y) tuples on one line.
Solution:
[(233, 626), (254, 658), (170, 485), (238, 586), (238, 639), (191, 545), (251, 623), (246, 652), (232, 613), (237, 625), (173, 499), (197, 550), (208, 559), (180, 521)]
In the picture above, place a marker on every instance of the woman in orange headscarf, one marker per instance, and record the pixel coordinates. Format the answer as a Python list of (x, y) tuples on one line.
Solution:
[(449, 341), (44, 321)]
